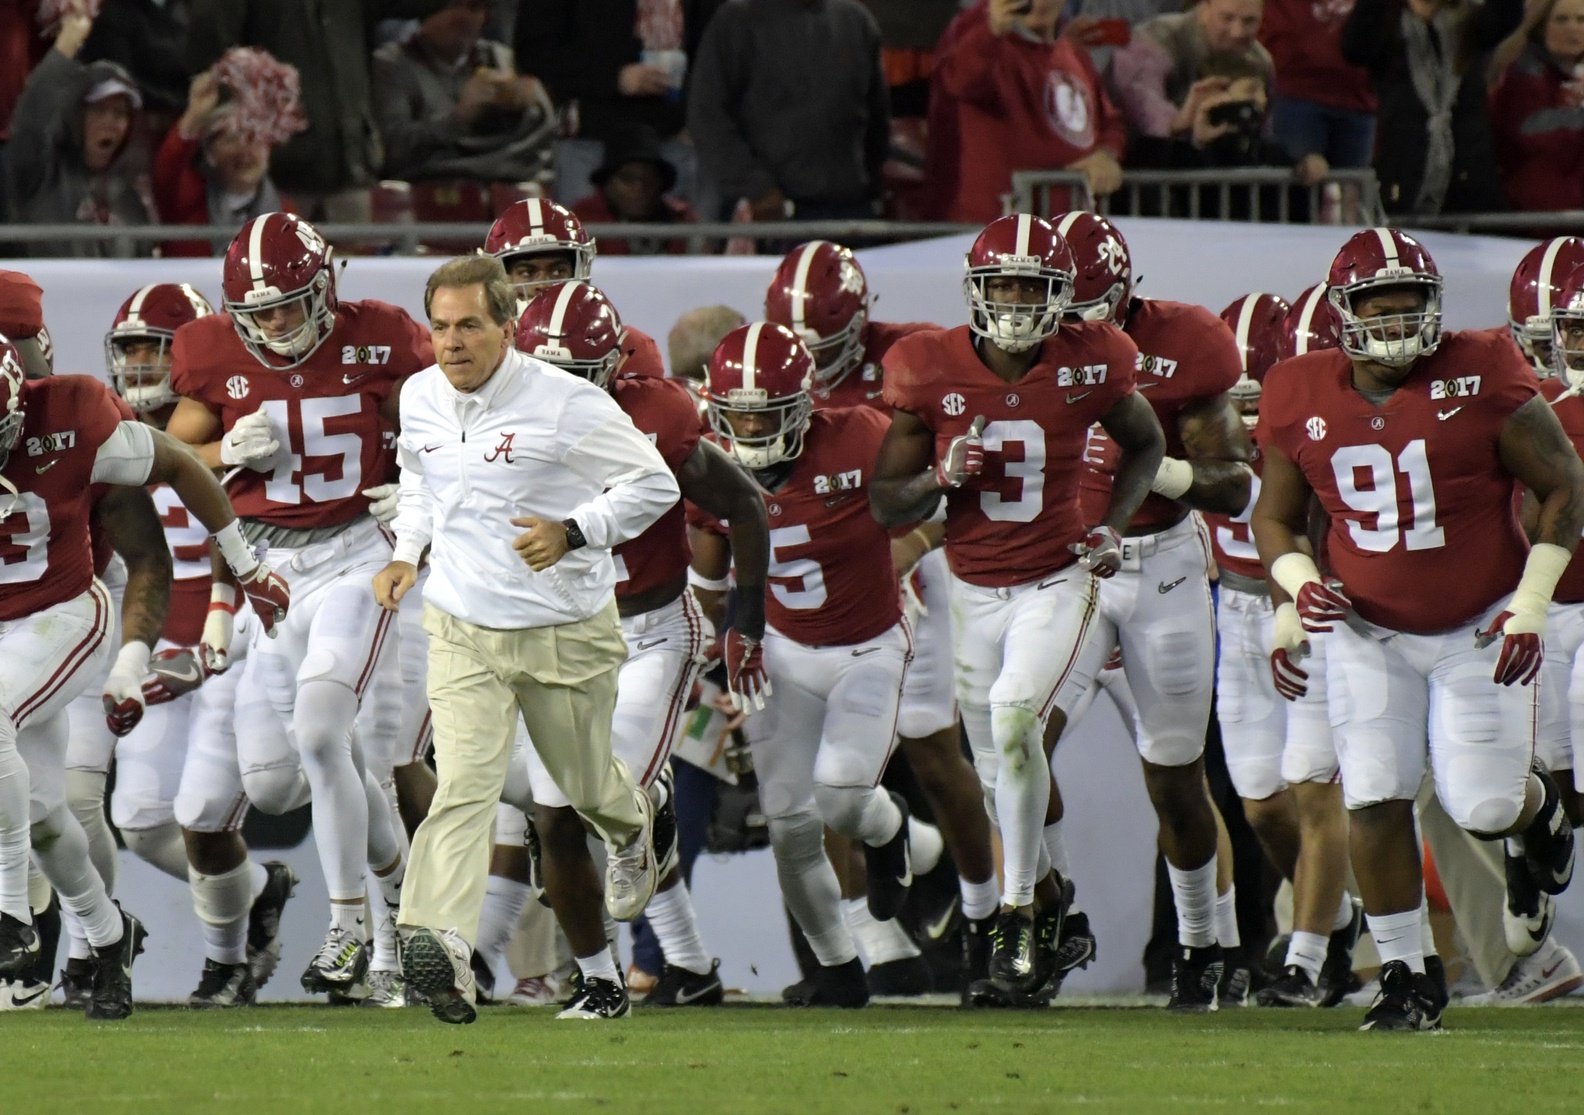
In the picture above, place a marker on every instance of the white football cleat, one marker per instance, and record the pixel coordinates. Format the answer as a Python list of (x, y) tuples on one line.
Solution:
[(1549, 973)]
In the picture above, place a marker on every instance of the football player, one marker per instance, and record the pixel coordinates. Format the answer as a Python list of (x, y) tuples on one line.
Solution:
[(185, 724), (1158, 609), (297, 392), (819, 291), (1272, 712), (1535, 289), (1412, 440), (59, 437), (573, 326), (540, 242), (993, 416), (835, 649)]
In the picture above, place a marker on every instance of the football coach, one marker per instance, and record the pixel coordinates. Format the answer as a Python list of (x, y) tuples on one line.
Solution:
[(518, 478)]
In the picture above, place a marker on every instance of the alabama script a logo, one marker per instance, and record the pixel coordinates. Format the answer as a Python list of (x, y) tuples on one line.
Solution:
[(503, 450)]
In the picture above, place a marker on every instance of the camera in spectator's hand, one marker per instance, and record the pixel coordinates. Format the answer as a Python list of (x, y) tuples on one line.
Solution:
[(1241, 116)]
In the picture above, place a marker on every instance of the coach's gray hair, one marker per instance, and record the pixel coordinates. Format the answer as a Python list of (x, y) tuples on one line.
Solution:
[(464, 271), (693, 338)]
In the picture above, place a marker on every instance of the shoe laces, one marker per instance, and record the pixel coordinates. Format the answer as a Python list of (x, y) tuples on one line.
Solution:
[(339, 947)]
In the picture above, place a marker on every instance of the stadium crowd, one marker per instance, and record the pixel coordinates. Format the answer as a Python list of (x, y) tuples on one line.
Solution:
[(134, 112)]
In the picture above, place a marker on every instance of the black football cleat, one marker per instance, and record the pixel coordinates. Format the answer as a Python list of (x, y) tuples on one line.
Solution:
[(1408, 1000), (111, 998), (889, 868), (1196, 979)]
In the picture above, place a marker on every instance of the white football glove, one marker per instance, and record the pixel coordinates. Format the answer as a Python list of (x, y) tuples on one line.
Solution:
[(219, 629), (250, 443), (964, 456), (382, 501)]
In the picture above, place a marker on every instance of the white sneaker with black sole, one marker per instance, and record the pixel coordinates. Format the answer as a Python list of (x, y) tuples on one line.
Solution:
[(598, 998), (440, 966), (631, 873)]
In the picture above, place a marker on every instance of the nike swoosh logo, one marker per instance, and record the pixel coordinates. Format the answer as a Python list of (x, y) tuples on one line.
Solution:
[(189, 674), (650, 643), (861, 651), (1445, 414), (22, 1001), (352, 379), (46, 467), (684, 997), (1079, 398), (1166, 586), (1545, 973), (1146, 386), (1047, 584), (429, 449)]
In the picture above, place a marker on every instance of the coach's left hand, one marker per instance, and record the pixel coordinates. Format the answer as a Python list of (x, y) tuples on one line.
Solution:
[(544, 544)]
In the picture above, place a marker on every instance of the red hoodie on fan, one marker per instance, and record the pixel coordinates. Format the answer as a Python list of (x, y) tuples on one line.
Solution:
[(1000, 103), (1304, 38)]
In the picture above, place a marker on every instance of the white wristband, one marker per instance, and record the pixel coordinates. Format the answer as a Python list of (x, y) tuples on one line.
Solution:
[(1543, 569), (1173, 478), (698, 580), (1293, 571), (235, 549), (1289, 628), (223, 595), (132, 659)]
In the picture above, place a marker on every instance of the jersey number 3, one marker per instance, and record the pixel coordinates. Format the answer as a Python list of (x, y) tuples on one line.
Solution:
[(1378, 497), (303, 421), (1029, 472)]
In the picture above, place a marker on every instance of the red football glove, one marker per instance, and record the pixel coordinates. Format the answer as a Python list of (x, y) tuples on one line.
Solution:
[(745, 672), (1291, 680), (268, 593), (1523, 649), (175, 672), (964, 457), (1322, 605), (1100, 552)]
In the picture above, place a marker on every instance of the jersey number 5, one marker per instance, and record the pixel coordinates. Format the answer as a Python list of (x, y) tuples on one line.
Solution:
[(303, 421), (804, 573), (1379, 497)]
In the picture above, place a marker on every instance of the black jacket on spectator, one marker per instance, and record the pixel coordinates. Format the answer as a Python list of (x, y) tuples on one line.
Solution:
[(147, 40), (329, 43), (577, 47), (791, 94), (47, 181), (1373, 38)]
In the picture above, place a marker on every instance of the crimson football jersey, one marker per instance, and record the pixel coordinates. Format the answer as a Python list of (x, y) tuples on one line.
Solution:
[(1231, 540), (640, 354), (46, 557), (1013, 522), (1423, 534), (326, 411), (191, 573), (98, 540), (862, 385), (1185, 354), (1570, 412), (664, 412), (831, 580)]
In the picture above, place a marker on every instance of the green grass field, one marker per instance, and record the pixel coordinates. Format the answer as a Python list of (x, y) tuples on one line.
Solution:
[(902, 1060)]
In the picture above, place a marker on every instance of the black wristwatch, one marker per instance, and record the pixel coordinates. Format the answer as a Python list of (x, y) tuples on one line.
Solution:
[(575, 539)]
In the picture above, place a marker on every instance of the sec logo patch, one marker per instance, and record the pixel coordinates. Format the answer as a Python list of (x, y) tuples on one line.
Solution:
[(237, 387), (954, 404), (1316, 427)]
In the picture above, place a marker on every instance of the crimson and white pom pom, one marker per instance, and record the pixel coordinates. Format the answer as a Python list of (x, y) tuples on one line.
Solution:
[(52, 12), (267, 94)]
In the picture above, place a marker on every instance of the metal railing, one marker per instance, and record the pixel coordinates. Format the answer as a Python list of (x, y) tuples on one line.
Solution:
[(1269, 194), (1502, 224), (409, 237)]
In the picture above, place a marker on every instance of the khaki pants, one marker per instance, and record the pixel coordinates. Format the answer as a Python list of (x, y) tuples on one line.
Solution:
[(562, 681), (1474, 876)]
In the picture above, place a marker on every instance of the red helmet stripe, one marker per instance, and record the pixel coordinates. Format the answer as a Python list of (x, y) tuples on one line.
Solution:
[(1245, 323), (1306, 313), (1545, 278), (256, 252), (750, 368), (1388, 246), (557, 325), (800, 284)]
